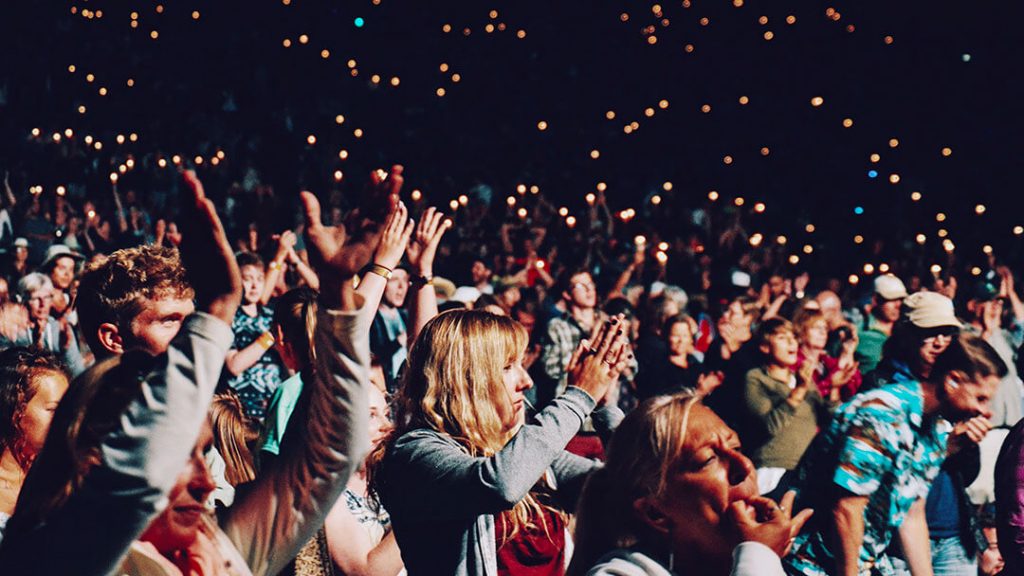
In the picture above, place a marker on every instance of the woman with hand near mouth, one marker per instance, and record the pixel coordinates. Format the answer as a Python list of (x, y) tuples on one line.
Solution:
[(785, 409), (472, 486), (678, 497)]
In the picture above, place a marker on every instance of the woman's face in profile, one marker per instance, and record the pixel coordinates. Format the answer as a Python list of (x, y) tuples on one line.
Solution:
[(700, 487)]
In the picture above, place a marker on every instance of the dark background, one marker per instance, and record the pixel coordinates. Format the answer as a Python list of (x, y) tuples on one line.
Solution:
[(578, 61)]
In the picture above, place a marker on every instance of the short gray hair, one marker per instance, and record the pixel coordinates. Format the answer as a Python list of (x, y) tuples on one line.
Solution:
[(29, 283)]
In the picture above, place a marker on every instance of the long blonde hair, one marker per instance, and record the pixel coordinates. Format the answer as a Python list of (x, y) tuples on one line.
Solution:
[(233, 434), (643, 451), (454, 384)]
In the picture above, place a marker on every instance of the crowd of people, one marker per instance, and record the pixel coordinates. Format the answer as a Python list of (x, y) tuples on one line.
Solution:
[(186, 395)]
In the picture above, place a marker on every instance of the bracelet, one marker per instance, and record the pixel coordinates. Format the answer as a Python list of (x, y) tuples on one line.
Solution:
[(382, 271), (275, 265), (266, 340), (421, 280)]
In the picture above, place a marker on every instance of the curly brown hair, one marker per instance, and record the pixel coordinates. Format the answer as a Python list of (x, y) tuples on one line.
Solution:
[(113, 288)]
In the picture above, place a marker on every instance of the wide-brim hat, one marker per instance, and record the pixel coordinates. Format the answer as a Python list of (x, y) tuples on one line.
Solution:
[(53, 253)]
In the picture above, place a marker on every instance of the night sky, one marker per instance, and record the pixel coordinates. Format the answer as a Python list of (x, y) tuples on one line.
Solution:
[(922, 76)]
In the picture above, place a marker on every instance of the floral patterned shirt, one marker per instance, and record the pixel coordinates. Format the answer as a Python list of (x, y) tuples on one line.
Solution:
[(879, 445)]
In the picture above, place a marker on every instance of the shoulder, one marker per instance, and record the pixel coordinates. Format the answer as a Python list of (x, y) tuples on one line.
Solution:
[(426, 445)]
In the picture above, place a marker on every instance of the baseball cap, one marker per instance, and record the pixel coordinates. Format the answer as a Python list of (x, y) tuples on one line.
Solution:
[(930, 310), (21, 242), (889, 287)]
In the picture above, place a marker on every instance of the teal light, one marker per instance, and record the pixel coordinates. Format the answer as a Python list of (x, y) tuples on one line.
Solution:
[(359, 22)]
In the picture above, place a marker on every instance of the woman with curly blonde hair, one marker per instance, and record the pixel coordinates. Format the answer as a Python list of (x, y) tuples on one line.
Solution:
[(471, 485)]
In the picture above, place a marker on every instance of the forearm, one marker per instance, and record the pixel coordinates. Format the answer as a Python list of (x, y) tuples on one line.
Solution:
[(622, 281), (239, 361), (307, 274), (848, 520), (385, 558), (274, 270), (914, 539), (424, 307)]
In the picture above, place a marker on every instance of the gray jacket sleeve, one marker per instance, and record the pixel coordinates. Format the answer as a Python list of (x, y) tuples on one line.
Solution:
[(273, 519), (424, 462), (140, 462)]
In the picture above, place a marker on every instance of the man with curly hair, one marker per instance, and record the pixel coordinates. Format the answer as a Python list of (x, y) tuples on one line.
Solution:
[(134, 298)]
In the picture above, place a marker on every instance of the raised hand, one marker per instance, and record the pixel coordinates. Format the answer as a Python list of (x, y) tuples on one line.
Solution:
[(762, 520), (337, 253), (285, 243), (207, 254), (395, 239), (709, 382), (423, 248), (597, 365)]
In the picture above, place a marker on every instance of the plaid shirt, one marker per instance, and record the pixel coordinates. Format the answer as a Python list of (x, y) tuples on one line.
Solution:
[(563, 336)]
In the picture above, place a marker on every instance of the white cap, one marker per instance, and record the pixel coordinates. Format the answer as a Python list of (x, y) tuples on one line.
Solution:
[(890, 287), (930, 310), (465, 294)]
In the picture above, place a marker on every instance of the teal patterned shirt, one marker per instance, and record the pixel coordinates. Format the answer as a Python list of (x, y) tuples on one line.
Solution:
[(878, 445)]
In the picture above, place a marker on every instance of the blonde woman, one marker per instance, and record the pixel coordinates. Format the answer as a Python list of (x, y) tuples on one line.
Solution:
[(678, 497), (471, 486)]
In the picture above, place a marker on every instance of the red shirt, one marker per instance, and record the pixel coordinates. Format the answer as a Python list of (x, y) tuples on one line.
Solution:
[(533, 551)]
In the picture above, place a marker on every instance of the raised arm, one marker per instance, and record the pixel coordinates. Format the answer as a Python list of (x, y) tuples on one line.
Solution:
[(421, 254), (140, 459), (285, 243), (388, 255), (288, 503)]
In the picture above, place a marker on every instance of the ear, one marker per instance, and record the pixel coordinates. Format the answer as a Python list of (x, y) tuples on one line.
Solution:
[(954, 380), (649, 512), (110, 338), (764, 348)]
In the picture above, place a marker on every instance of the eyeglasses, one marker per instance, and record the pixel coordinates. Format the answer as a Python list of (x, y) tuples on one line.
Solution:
[(946, 334)]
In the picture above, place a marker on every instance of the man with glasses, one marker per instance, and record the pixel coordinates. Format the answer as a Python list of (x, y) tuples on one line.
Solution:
[(564, 333)]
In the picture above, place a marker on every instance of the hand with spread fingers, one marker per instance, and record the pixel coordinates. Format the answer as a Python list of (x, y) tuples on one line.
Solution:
[(597, 365), (395, 238), (337, 253), (207, 255), (760, 519), (424, 244)]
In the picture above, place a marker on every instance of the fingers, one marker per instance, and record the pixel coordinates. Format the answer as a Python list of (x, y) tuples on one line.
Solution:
[(311, 208), (395, 180), (407, 233), (787, 500), (742, 514), (423, 232), (578, 353), (610, 338), (797, 524)]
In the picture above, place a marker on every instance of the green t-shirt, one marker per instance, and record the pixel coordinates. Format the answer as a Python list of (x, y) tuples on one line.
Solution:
[(281, 407)]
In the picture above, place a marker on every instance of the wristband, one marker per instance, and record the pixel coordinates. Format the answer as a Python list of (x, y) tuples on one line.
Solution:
[(422, 280), (266, 340), (382, 271), (275, 265)]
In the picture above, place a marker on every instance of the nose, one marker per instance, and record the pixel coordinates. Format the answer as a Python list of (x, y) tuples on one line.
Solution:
[(201, 483), (740, 467), (525, 382)]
